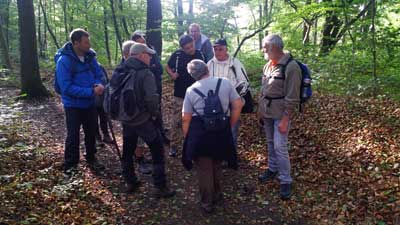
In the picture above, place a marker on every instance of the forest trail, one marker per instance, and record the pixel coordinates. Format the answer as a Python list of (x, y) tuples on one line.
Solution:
[(345, 164)]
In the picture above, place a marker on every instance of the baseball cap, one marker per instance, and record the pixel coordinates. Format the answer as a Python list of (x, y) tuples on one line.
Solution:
[(139, 48), (220, 41), (138, 34)]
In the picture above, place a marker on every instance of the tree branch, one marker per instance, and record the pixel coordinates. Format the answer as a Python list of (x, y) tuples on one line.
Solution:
[(250, 36)]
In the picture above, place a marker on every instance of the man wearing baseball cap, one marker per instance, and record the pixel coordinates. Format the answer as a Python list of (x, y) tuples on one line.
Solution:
[(147, 102)]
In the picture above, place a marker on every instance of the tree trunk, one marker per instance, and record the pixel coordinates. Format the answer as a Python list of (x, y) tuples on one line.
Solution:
[(179, 17), (190, 12), (40, 38), (53, 36), (374, 47), (106, 37), (114, 17), (5, 57), (250, 36), (31, 84), (153, 25), (123, 19), (65, 19)]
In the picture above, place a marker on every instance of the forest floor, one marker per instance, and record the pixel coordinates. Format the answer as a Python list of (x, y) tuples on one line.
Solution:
[(345, 155)]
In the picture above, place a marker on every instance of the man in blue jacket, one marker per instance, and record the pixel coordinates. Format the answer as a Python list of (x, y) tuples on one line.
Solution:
[(78, 77)]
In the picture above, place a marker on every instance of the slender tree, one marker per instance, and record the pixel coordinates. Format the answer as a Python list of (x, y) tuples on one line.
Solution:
[(46, 21), (114, 17), (5, 57), (31, 84), (153, 25), (106, 36)]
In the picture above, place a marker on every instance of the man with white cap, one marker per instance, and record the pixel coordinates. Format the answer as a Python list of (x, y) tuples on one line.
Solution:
[(147, 103)]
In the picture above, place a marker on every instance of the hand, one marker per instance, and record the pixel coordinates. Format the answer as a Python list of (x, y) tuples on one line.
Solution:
[(284, 125), (174, 75), (98, 89)]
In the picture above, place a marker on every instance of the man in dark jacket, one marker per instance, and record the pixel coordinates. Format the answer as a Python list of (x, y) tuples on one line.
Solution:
[(143, 125), (78, 77)]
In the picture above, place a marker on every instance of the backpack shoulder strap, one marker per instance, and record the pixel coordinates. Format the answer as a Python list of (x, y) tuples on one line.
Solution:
[(218, 86), (285, 65), (197, 91)]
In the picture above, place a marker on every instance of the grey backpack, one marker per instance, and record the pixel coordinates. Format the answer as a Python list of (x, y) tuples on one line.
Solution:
[(120, 101)]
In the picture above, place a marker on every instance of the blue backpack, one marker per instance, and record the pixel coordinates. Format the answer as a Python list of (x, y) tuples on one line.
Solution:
[(214, 118), (305, 87)]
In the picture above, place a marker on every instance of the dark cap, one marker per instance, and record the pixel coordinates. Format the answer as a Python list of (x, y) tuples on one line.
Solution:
[(220, 41), (185, 39)]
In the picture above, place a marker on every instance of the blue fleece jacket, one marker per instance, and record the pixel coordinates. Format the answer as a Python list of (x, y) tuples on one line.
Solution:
[(75, 78)]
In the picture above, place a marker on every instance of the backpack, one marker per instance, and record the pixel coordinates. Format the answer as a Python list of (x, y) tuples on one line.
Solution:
[(120, 102), (214, 118), (249, 103), (305, 86)]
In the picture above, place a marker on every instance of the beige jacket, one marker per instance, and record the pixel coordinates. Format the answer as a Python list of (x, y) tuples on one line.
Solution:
[(275, 86)]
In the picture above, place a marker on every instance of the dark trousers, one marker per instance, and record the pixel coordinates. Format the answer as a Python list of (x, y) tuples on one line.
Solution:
[(102, 119), (209, 173), (74, 118), (151, 135)]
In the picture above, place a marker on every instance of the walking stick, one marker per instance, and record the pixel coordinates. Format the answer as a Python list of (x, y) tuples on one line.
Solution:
[(114, 140)]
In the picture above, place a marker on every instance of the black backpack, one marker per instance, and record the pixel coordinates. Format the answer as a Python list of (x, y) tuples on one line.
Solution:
[(120, 101), (214, 118)]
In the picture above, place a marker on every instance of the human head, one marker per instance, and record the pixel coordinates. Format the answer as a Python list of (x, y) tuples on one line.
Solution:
[(142, 52), (194, 30), (80, 41), (272, 47), (197, 69), (139, 36), (187, 44), (221, 49), (126, 47)]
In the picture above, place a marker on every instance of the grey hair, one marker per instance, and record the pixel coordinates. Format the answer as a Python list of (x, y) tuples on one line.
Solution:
[(273, 39), (197, 69), (195, 25), (126, 46)]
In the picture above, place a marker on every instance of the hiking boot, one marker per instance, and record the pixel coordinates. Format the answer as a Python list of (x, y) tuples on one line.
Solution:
[(70, 171), (286, 191), (267, 176), (164, 192), (145, 168), (94, 164), (107, 139), (132, 188), (172, 152)]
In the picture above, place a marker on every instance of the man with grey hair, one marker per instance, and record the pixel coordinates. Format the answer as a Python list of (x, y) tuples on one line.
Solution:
[(146, 101), (208, 148), (280, 95), (201, 41)]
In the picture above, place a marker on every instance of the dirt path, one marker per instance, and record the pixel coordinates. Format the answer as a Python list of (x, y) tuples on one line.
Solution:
[(338, 178)]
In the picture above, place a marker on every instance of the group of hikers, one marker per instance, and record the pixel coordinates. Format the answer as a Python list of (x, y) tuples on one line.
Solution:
[(211, 89)]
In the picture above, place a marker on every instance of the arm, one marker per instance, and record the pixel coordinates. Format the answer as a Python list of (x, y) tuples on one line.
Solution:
[(65, 80), (292, 98), (171, 67), (186, 118), (236, 108), (208, 50)]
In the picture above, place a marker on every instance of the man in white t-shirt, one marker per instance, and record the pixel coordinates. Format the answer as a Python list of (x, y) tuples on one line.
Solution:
[(225, 66)]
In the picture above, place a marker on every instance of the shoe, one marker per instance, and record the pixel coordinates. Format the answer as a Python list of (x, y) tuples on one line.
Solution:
[(172, 152), (207, 210), (267, 176), (70, 171), (132, 188), (145, 168), (107, 139), (164, 192), (94, 164), (286, 191)]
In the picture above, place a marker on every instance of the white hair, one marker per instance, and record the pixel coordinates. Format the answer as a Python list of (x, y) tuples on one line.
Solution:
[(197, 69), (273, 39), (126, 46)]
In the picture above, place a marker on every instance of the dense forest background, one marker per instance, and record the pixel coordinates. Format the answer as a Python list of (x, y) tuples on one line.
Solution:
[(352, 46)]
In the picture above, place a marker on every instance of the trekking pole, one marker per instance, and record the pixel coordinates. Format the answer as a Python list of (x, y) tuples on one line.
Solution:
[(114, 140)]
